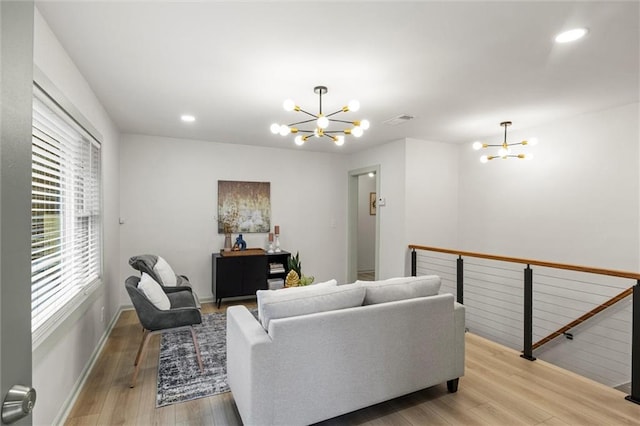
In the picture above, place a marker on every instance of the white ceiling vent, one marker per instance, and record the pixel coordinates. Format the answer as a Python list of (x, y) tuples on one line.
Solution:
[(395, 121)]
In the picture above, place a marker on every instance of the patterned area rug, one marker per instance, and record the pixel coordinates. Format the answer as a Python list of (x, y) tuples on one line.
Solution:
[(179, 378)]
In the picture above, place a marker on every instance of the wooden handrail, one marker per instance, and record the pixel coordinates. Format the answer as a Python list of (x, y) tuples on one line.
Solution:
[(583, 318), (566, 266)]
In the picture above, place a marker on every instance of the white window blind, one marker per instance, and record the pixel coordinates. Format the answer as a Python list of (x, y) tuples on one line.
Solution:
[(65, 211)]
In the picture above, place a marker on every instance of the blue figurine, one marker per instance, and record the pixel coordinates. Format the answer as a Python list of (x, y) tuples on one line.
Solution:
[(240, 243)]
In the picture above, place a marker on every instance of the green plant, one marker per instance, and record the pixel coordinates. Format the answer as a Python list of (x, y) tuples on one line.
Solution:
[(296, 265)]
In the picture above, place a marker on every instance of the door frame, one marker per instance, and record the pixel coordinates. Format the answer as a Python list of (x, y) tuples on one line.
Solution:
[(16, 91), (352, 222)]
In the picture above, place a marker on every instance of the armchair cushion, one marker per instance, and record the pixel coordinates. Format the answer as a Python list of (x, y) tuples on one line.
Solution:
[(165, 273), (183, 309), (154, 292)]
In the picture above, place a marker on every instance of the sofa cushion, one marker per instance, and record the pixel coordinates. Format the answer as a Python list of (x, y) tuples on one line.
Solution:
[(154, 292), (165, 273), (400, 288), (267, 296), (320, 299)]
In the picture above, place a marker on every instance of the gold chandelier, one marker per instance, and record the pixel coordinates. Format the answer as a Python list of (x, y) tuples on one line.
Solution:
[(354, 128), (505, 148)]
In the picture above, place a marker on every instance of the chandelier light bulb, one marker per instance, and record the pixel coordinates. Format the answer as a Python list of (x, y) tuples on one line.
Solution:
[(477, 145), (364, 124), (353, 105), (323, 122), (532, 141), (284, 130), (299, 140), (484, 159), (275, 128), (339, 140), (528, 156), (288, 105), (357, 131), (316, 133), (503, 152)]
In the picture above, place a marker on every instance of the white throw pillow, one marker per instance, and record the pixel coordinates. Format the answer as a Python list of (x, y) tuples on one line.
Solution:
[(266, 296), (322, 299), (154, 292), (166, 274), (400, 288)]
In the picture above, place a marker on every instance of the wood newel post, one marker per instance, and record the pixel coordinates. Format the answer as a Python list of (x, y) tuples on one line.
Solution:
[(635, 346), (527, 352), (460, 280), (414, 263)]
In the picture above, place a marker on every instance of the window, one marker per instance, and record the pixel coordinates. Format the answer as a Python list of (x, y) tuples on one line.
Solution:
[(66, 226)]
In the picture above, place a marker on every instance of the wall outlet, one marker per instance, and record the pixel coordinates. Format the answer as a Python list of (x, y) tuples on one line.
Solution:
[(102, 314)]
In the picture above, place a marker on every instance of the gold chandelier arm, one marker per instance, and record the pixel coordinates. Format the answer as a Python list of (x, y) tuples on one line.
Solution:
[(336, 112), (306, 112), (301, 122)]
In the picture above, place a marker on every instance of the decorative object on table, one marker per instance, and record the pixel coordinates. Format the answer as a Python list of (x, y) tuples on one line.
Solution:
[(372, 203), (505, 151), (244, 207), (179, 378), (277, 232), (270, 243), (295, 277), (240, 243), (227, 242), (321, 120)]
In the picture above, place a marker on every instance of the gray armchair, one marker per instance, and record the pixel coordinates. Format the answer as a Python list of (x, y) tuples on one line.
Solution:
[(182, 315), (146, 262)]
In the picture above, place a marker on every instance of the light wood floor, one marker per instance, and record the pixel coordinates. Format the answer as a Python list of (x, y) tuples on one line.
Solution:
[(499, 388)]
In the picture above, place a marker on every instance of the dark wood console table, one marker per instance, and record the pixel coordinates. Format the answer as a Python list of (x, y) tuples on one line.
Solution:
[(234, 276)]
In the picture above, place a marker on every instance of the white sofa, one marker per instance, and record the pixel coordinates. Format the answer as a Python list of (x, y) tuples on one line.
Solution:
[(310, 367)]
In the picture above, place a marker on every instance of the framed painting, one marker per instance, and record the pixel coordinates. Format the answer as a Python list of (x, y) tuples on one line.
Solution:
[(244, 207), (372, 203)]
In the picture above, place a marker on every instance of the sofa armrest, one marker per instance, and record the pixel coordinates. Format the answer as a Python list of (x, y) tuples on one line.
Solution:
[(248, 365), (459, 324)]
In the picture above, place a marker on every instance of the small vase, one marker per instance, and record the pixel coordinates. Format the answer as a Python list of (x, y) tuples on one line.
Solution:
[(227, 242), (278, 244)]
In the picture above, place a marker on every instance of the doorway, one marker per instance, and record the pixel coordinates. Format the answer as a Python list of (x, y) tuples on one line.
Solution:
[(363, 224)]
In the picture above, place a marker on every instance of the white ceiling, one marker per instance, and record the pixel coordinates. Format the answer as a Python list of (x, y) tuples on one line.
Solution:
[(459, 67)]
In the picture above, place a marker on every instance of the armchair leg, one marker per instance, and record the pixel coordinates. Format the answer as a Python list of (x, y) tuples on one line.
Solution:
[(143, 346), (197, 346), (452, 385), (144, 335)]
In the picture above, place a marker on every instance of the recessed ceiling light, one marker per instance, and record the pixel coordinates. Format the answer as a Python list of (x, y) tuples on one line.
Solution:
[(187, 118), (571, 35)]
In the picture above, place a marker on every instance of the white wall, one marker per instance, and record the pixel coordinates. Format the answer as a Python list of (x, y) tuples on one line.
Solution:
[(59, 362), (366, 224), (432, 193), (575, 202), (169, 202), (391, 158)]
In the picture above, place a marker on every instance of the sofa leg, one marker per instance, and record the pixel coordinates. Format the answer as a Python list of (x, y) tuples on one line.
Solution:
[(452, 385)]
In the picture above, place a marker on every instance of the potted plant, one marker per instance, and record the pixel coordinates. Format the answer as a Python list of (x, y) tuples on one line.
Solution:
[(295, 277)]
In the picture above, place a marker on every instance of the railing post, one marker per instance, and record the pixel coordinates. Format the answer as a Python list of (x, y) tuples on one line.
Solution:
[(527, 352), (635, 346), (414, 263), (460, 280)]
